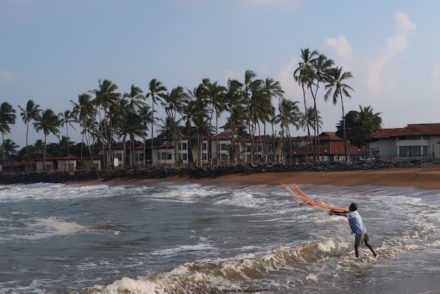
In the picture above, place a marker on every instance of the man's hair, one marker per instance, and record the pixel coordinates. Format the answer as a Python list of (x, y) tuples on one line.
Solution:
[(353, 207)]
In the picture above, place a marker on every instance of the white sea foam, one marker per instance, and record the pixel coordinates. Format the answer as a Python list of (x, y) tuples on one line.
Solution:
[(225, 274), (184, 193), (184, 248), (43, 191), (242, 199), (50, 227)]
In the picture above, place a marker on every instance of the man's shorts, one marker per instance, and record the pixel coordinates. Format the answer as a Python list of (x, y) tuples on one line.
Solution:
[(360, 238)]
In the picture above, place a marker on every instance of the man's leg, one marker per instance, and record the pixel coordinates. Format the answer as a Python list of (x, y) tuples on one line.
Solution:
[(356, 250), (371, 248)]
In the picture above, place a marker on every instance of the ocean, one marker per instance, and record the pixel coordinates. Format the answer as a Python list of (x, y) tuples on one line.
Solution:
[(188, 238)]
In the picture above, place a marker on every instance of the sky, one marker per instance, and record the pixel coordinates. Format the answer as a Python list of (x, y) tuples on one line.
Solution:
[(53, 50)]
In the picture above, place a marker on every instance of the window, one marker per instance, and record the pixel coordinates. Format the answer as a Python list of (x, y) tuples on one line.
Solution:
[(119, 156), (164, 155), (183, 146), (259, 148), (139, 157), (184, 156), (412, 151), (248, 148), (223, 156), (204, 146), (223, 147), (170, 156), (203, 156)]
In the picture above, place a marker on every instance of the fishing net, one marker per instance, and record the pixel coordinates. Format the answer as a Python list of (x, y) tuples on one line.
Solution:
[(303, 199)]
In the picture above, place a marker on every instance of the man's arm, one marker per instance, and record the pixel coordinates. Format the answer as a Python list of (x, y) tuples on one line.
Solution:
[(338, 211)]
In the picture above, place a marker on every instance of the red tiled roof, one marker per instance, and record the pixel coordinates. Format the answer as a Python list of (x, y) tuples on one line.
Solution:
[(331, 148), (324, 135), (223, 136), (408, 131), (120, 146), (331, 135)]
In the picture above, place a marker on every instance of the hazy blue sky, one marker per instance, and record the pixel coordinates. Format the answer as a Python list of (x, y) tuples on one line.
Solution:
[(53, 50)]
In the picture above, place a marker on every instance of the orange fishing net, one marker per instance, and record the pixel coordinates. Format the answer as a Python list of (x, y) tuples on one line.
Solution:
[(303, 199)]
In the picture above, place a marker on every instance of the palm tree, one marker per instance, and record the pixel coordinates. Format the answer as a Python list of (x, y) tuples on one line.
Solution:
[(337, 85), (129, 123), (157, 91), (84, 112), (369, 122), (135, 97), (146, 116), (303, 74), (288, 115), (47, 122), (196, 112), (7, 118), (189, 111), (29, 113), (321, 71), (66, 119), (134, 101), (216, 94), (308, 119), (10, 148), (234, 101), (271, 90), (173, 103), (106, 96), (253, 93)]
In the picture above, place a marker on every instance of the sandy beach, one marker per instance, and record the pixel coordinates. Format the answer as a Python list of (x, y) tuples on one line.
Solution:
[(422, 178)]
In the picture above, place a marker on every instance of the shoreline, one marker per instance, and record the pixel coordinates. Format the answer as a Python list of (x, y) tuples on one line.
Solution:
[(427, 178)]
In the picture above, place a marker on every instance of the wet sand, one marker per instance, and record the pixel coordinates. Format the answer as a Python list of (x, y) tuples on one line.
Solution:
[(422, 178)]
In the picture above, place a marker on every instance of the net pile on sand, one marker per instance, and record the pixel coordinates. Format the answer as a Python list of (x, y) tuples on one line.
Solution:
[(303, 199)]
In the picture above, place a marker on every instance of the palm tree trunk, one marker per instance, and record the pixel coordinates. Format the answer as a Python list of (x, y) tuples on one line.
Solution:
[(82, 146), (274, 153), (152, 127), (27, 145), (145, 143), (189, 145), (67, 139), (290, 146), (265, 144), (3, 150), (92, 165), (345, 131), (217, 155), (308, 128), (199, 154), (260, 141), (44, 153), (132, 145), (316, 119), (124, 151), (108, 138), (315, 130)]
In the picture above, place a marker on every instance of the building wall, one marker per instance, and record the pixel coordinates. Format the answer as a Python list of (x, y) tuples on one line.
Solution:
[(67, 165), (386, 148), (391, 148)]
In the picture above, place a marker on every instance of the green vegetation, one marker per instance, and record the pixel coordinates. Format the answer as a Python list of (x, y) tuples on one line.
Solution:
[(106, 116)]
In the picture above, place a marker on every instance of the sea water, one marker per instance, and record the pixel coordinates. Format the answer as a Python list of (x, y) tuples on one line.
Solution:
[(188, 238)]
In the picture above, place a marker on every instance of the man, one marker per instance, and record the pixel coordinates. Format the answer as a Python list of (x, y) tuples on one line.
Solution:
[(357, 227)]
